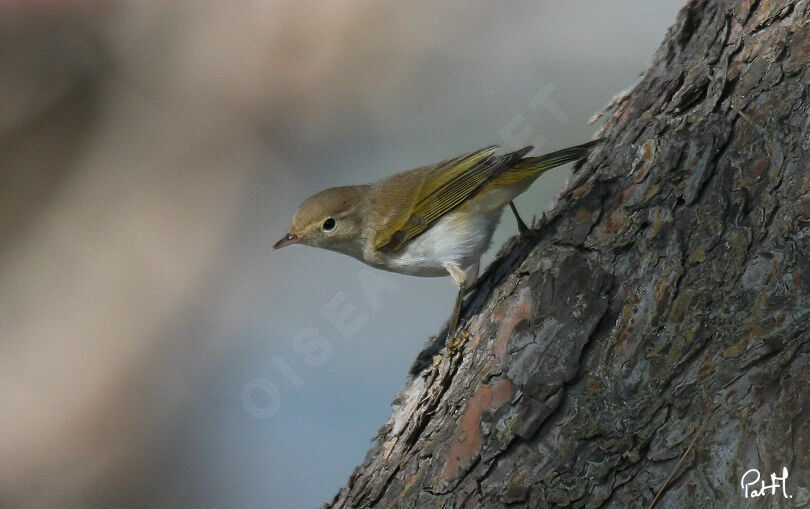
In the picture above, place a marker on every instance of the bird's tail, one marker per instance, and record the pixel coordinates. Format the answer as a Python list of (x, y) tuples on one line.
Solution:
[(533, 166)]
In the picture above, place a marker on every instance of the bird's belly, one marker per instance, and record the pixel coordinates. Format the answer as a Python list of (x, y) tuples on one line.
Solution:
[(457, 239)]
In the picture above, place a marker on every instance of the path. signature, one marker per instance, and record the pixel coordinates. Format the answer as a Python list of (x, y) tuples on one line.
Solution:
[(752, 477)]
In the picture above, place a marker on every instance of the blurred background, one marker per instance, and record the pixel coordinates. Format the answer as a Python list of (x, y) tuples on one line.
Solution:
[(154, 351)]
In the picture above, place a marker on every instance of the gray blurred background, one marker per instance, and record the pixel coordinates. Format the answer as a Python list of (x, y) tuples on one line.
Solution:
[(154, 350)]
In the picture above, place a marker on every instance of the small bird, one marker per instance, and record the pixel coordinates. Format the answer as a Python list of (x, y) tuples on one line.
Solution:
[(433, 221)]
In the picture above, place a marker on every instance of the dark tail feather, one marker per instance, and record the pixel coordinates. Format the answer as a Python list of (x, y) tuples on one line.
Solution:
[(551, 160)]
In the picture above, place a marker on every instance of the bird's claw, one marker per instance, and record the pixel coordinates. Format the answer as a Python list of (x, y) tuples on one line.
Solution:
[(454, 341), (525, 231), (530, 234)]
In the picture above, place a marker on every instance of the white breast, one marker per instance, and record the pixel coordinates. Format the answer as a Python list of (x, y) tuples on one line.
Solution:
[(457, 238)]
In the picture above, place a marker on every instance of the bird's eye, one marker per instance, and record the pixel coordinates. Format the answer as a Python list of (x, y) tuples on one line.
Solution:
[(329, 224)]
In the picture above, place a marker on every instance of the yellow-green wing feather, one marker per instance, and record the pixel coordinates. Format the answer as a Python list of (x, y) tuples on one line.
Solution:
[(443, 187), (415, 199)]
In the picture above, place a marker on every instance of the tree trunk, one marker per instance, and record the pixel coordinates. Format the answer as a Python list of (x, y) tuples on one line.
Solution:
[(669, 289)]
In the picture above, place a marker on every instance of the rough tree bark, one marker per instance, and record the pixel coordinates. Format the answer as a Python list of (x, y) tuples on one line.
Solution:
[(669, 287)]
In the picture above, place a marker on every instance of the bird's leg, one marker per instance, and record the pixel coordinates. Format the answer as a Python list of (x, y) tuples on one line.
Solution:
[(524, 230), (474, 282), (460, 277), (451, 328)]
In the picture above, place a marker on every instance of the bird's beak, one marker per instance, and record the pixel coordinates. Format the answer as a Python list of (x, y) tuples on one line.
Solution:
[(286, 240)]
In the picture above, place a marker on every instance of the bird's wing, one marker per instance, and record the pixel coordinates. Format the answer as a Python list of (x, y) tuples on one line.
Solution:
[(433, 191)]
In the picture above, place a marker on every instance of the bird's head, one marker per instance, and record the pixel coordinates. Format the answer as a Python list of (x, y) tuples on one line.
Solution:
[(331, 219)]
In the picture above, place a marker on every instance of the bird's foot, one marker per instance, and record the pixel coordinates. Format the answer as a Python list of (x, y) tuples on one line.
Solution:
[(527, 233), (530, 232), (456, 340)]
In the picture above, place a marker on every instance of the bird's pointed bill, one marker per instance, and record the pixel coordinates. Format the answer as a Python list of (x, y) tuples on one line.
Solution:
[(286, 240)]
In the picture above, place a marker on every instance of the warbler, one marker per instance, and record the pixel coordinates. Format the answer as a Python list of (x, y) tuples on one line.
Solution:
[(436, 220)]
